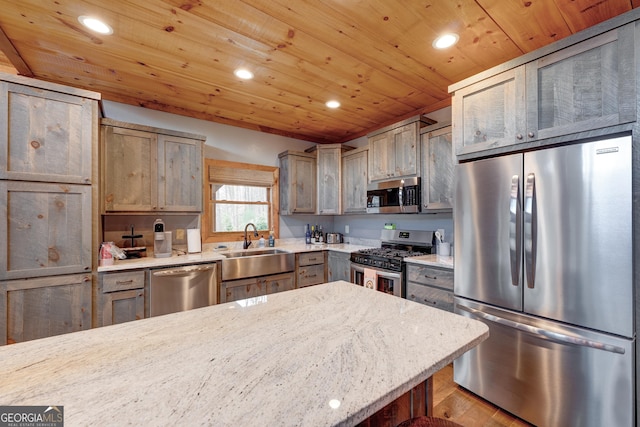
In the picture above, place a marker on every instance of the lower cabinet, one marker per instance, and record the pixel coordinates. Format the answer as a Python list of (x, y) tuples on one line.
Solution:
[(44, 307), (339, 266), (234, 290), (120, 297), (310, 268), (430, 286)]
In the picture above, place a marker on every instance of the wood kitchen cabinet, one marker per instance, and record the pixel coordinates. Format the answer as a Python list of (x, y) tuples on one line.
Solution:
[(354, 180), (43, 307), (297, 183), (149, 169), (234, 290), (47, 144), (394, 151), (329, 178), (584, 86), (46, 134), (279, 283), (46, 229), (430, 286), (437, 168), (120, 297), (339, 266), (48, 149), (310, 268)]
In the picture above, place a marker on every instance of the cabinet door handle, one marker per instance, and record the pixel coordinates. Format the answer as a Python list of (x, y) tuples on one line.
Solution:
[(519, 136), (531, 134)]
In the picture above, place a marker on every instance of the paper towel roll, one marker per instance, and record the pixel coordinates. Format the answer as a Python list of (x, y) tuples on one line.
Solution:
[(193, 240)]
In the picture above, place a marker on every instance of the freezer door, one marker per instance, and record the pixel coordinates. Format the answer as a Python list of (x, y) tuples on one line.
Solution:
[(547, 373), (487, 220), (578, 257)]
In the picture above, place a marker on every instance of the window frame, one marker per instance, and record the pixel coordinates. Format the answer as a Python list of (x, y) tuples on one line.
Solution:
[(210, 236)]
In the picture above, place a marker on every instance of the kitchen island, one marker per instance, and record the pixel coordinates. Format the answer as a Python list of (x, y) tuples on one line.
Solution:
[(331, 354)]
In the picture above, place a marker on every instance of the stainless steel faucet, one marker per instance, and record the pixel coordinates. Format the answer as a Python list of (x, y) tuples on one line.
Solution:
[(247, 242)]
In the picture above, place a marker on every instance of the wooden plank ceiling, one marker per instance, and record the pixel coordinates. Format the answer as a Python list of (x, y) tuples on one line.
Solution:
[(374, 56)]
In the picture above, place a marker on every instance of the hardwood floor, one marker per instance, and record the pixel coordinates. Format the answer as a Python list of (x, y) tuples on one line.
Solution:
[(454, 403)]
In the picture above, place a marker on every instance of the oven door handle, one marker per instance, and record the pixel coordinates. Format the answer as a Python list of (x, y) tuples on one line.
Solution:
[(381, 273)]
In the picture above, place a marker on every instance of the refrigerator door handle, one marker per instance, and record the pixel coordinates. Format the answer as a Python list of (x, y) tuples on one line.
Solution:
[(515, 225), (556, 337), (530, 229)]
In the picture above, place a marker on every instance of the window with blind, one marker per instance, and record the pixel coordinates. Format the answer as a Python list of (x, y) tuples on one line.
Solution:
[(238, 194)]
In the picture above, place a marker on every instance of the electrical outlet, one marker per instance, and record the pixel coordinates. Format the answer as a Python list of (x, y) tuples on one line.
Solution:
[(346, 229), (180, 234)]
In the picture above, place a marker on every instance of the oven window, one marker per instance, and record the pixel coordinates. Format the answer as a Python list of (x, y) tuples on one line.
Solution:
[(385, 285), (357, 277)]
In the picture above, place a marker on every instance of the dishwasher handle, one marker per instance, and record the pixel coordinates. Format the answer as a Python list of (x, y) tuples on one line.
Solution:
[(183, 272)]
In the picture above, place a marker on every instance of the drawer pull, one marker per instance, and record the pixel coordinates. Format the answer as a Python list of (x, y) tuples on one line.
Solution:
[(312, 259), (315, 275), (430, 277), (124, 282)]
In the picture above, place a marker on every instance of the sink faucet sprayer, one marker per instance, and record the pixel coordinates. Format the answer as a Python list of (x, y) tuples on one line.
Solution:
[(247, 242)]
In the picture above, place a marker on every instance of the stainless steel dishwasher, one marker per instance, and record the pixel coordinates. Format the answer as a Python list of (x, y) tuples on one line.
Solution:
[(182, 288)]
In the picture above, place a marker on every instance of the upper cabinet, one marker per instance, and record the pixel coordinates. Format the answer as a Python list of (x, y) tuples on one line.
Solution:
[(329, 168), (490, 113), (179, 173), (48, 140), (46, 134), (354, 179), (437, 168), (149, 169), (328, 160), (394, 150), (297, 183), (585, 86)]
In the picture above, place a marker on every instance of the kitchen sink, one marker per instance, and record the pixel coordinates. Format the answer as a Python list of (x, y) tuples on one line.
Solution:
[(245, 264), (247, 253)]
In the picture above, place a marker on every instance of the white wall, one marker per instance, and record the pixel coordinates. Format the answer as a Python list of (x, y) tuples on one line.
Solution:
[(226, 142), (223, 142)]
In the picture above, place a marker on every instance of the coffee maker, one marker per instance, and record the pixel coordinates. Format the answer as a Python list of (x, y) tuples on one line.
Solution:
[(161, 240)]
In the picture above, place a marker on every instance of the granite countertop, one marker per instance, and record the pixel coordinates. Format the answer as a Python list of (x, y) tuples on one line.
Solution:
[(273, 360), (432, 260), (216, 255)]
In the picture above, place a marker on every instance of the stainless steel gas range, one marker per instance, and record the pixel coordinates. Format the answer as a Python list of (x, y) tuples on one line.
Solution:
[(383, 268)]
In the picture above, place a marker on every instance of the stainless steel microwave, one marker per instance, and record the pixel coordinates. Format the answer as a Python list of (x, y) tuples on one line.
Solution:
[(397, 196)]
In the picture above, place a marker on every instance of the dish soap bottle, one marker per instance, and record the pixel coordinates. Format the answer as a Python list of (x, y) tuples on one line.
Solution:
[(272, 239), (261, 242)]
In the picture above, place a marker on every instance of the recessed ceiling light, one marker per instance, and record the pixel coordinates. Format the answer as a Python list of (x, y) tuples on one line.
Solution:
[(445, 41), (95, 24), (332, 104), (243, 74)]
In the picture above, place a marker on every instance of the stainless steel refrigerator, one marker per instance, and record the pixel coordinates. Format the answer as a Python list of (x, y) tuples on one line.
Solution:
[(544, 257)]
